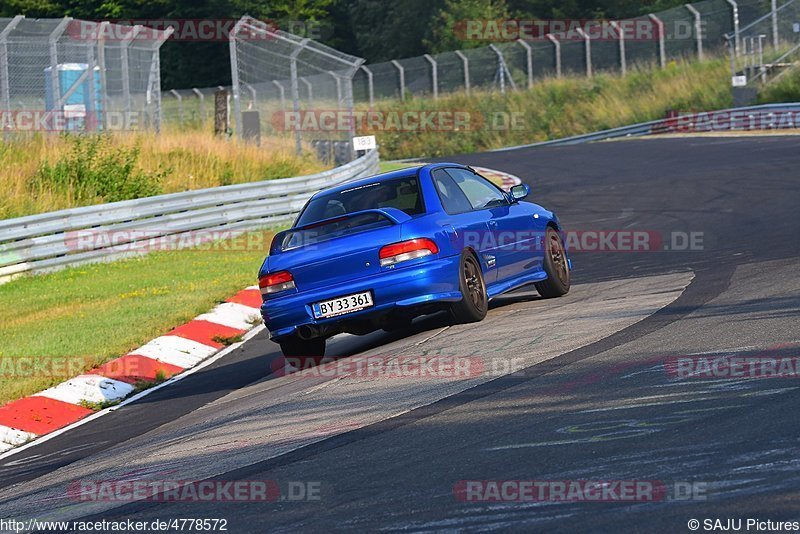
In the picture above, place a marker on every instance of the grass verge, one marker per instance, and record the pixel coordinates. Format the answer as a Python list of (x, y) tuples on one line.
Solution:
[(95, 313)]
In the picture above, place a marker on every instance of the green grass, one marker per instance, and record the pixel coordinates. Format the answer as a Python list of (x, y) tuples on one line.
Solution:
[(98, 312), (556, 108)]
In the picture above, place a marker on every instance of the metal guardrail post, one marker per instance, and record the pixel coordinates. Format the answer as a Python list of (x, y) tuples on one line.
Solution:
[(5, 90), (557, 52), (528, 61), (698, 29), (402, 73), (587, 50), (465, 63), (623, 60), (434, 75), (735, 18), (370, 86), (662, 51)]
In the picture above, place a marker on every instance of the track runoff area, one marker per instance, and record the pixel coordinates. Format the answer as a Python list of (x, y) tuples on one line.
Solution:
[(660, 395)]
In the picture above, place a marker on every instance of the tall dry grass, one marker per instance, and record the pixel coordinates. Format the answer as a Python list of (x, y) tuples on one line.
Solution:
[(177, 160)]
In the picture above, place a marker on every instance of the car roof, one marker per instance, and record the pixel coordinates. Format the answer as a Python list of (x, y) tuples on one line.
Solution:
[(377, 178)]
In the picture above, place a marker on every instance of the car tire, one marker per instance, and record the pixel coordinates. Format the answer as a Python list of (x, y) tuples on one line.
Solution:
[(555, 265), (474, 304)]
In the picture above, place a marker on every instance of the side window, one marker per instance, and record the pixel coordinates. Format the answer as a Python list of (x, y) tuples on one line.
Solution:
[(452, 197), (480, 192)]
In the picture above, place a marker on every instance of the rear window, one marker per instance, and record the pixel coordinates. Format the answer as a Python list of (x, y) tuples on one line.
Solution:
[(400, 193), (331, 229)]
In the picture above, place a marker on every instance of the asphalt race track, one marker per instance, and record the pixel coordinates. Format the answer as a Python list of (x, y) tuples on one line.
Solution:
[(572, 389)]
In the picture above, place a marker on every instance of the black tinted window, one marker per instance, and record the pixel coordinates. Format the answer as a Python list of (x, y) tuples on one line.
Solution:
[(399, 193), (453, 198)]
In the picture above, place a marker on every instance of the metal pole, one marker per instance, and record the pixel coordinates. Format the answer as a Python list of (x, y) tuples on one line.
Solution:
[(52, 40), (126, 79), (101, 62), (202, 99), (5, 89), (528, 61), (731, 49), (557, 51), (309, 89), (434, 75), (735, 16), (465, 62), (623, 60), (370, 87), (662, 51), (91, 109), (698, 29), (156, 66), (237, 106), (775, 36), (253, 95), (179, 98), (501, 73), (298, 142), (587, 51), (402, 73), (282, 92), (761, 67), (349, 106)]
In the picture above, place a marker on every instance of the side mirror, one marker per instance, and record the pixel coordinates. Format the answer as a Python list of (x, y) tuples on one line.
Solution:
[(518, 192)]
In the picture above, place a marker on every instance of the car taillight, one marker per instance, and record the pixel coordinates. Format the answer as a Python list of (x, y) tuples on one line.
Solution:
[(407, 250), (276, 282)]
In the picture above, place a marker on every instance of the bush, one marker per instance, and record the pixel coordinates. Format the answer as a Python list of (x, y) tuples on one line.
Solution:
[(95, 170)]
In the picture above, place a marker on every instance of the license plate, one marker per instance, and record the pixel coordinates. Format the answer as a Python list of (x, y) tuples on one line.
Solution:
[(342, 305)]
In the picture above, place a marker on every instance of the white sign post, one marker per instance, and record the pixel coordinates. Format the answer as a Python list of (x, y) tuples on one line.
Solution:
[(366, 142)]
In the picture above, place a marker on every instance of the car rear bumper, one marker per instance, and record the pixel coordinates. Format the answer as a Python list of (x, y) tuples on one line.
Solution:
[(422, 284)]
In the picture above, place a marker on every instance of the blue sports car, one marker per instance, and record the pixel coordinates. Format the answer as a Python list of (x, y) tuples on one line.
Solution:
[(376, 253)]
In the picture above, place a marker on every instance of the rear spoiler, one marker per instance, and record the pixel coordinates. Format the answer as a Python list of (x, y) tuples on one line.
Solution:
[(394, 215)]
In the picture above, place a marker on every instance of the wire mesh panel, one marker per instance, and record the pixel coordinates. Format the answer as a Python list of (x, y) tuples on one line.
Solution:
[(641, 42), (74, 75), (288, 85)]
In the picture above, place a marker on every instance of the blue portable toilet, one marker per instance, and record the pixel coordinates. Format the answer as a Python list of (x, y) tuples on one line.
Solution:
[(78, 104)]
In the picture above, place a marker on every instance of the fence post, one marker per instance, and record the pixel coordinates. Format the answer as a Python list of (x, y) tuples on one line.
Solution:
[(179, 98), (338, 88), (528, 61), (557, 52), (623, 61), (587, 51), (237, 108), (298, 144), (309, 89), (282, 92), (52, 41), (775, 24), (402, 74), (465, 62), (349, 105), (126, 78), (662, 52), (698, 29), (5, 87), (735, 17), (434, 75), (370, 87), (90, 122), (101, 62), (253, 95), (202, 99)]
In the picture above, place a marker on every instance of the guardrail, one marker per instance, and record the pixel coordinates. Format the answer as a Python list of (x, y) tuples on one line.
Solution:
[(751, 118), (40, 243)]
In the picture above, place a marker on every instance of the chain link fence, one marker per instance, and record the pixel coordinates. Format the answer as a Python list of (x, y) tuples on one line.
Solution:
[(285, 85), (75, 75), (327, 79)]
